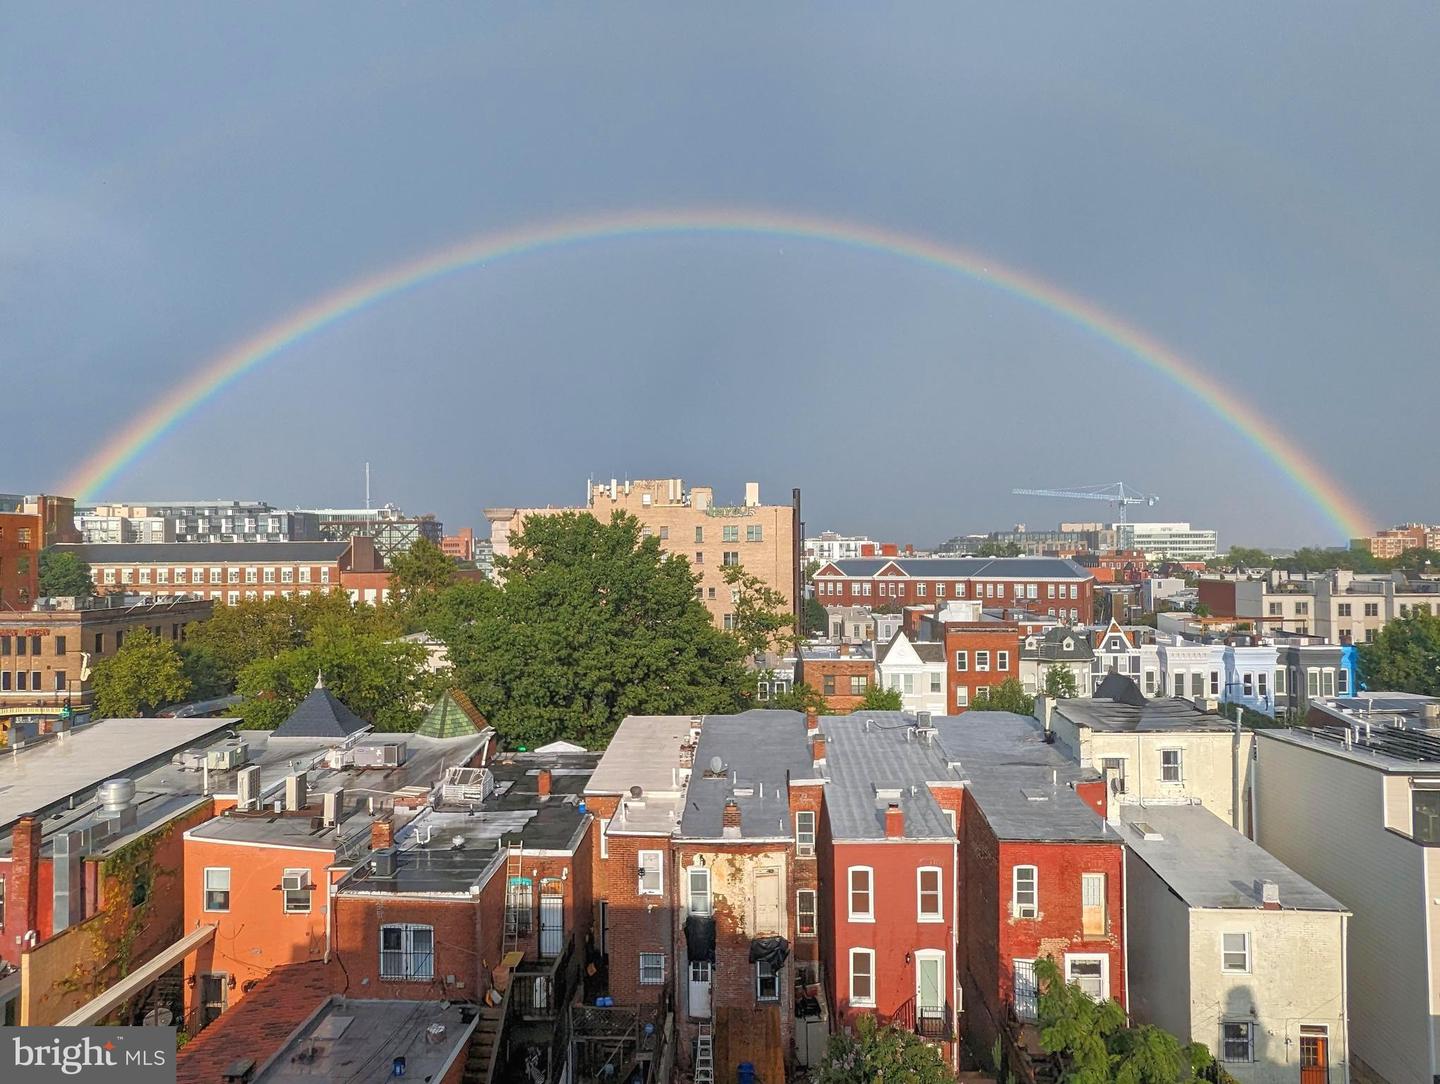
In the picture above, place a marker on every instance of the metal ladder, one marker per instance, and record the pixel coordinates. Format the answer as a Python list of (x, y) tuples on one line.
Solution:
[(514, 869), (704, 1055)]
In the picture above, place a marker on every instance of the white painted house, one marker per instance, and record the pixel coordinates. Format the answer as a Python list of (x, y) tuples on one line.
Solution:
[(916, 670), (1230, 947)]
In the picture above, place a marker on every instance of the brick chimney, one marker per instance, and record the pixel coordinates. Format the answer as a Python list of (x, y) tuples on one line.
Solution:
[(812, 720), (730, 819), (844, 651), (25, 868), (382, 833), (817, 748), (542, 782), (894, 821)]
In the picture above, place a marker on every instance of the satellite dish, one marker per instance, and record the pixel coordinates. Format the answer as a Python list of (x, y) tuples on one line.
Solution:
[(716, 765)]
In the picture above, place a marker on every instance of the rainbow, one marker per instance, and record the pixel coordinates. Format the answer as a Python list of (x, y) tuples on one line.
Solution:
[(143, 432)]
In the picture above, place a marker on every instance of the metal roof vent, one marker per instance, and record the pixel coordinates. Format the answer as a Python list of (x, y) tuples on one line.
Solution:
[(116, 794), (1147, 832)]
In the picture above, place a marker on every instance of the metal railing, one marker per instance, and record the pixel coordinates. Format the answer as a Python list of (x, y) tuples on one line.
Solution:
[(928, 1022), (540, 989)]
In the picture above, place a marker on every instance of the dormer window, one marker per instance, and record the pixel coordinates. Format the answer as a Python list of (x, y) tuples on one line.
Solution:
[(1069, 645)]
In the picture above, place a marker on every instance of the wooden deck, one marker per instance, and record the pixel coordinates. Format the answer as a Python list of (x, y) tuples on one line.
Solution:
[(749, 1035)]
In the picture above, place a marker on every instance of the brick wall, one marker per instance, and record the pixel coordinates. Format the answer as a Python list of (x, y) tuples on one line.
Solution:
[(634, 923)]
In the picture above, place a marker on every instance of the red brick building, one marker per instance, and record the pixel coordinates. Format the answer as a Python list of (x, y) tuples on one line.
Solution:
[(20, 545), (840, 673), (1051, 586), (460, 546), (978, 657)]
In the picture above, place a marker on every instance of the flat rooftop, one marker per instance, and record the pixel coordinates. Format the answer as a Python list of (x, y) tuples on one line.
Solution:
[(876, 758), (354, 1040), (758, 752), (1394, 750), (1161, 714), (1210, 865), (645, 753), (1023, 804)]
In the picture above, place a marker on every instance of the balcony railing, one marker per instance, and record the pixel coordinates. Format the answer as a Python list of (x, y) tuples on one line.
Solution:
[(932, 1022), (540, 989)]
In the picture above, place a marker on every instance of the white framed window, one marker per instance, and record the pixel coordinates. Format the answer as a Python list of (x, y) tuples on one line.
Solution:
[(1235, 953), (1237, 1041), (962, 697), (950, 820), (805, 833), (862, 977), (962, 661), (698, 878), (1172, 766), (1092, 904), (862, 894), (652, 969), (935, 680), (295, 887), (651, 873), (1090, 972), (930, 894), (1024, 892), (805, 913), (1002, 660), (407, 952), (605, 837), (982, 660), (767, 981), (217, 888)]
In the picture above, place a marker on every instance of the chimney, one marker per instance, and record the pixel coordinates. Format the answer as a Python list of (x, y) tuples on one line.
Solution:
[(731, 818), (542, 782), (1269, 895), (382, 833), (752, 494), (817, 748), (894, 821), (812, 720), (844, 650), (25, 868)]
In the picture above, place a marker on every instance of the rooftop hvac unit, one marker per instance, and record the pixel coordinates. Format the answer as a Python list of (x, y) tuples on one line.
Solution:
[(292, 882), (334, 807), (382, 755), (383, 862), (471, 785), (296, 792), (247, 788), (189, 760), (227, 757), (339, 756)]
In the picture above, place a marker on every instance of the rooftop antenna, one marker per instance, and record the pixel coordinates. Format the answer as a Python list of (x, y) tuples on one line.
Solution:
[(367, 485)]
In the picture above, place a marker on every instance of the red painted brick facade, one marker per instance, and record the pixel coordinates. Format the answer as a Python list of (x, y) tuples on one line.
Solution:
[(840, 682), (979, 657), (892, 589)]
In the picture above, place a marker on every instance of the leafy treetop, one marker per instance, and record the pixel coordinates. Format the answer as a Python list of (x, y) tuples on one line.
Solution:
[(63, 574)]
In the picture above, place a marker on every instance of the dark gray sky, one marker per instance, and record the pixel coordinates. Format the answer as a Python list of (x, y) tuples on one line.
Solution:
[(1254, 185)]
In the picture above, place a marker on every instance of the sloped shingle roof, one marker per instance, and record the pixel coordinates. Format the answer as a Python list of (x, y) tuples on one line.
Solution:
[(320, 715)]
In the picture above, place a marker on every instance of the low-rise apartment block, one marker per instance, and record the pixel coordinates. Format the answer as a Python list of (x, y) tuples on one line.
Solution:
[(1052, 586)]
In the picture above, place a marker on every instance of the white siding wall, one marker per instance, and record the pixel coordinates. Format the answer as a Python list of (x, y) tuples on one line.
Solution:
[(1324, 817)]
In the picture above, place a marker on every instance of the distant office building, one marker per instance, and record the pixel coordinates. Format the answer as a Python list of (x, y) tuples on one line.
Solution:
[(831, 546), (1394, 542), (1069, 538), (459, 546), (390, 529), (763, 538), (1340, 606), (1167, 541), (194, 521)]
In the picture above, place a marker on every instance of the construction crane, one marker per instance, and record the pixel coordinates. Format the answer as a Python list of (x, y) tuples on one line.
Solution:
[(1117, 493)]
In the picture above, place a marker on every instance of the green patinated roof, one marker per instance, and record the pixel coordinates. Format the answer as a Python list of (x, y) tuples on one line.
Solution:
[(452, 716)]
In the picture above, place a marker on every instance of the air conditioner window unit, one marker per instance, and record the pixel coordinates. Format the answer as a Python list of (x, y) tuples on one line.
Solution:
[(293, 882)]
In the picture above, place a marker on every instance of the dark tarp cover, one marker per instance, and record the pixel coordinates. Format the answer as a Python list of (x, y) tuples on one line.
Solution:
[(772, 950), (700, 937)]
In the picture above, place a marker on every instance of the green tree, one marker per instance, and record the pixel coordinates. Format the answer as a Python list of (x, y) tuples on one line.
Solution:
[(1241, 557), (143, 675), (1404, 656), (875, 1054), (63, 573), (382, 680), (816, 620), (994, 548), (588, 623), (799, 697), (203, 673), (417, 576), (878, 699), (1059, 683), (762, 618), (1010, 696)]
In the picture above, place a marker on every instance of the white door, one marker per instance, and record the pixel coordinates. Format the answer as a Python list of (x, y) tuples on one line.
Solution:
[(930, 985), (700, 975), (552, 925), (1027, 993)]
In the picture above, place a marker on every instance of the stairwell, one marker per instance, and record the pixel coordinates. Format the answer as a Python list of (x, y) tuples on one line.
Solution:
[(484, 1052)]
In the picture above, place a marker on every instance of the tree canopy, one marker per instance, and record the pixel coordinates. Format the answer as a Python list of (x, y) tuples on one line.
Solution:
[(816, 621), (63, 573), (144, 674), (1059, 682), (1404, 656), (1009, 695), (417, 576), (880, 699), (876, 1054), (799, 697), (589, 623), (762, 618), (993, 548)]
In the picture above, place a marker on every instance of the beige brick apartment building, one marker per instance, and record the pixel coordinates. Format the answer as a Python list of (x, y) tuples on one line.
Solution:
[(763, 538)]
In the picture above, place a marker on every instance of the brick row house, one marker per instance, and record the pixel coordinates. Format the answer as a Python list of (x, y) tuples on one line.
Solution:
[(1051, 586)]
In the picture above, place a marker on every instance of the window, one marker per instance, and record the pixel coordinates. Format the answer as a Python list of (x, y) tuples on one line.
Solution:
[(804, 912), (699, 535), (962, 697), (407, 952), (217, 889), (652, 964), (730, 558), (1171, 766), (1235, 952), (1262, 680), (295, 887), (1342, 682), (1327, 682), (1237, 1041), (805, 833), (59, 680), (1024, 892), (862, 904), (605, 838), (730, 533), (252, 574), (982, 694), (1092, 904), (862, 977), (145, 575), (930, 894), (1276, 609), (1342, 609), (962, 660), (950, 819), (939, 590), (651, 873), (1312, 681), (699, 887), (1279, 682), (287, 575), (935, 682), (1090, 973), (767, 981), (519, 906), (59, 645), (828, 685), (1074, 593), (1302, 609), (982, 660), (1247, 684), (754, 532), (664, 534), (1002, 660), (858, 683), (1149, 682)]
